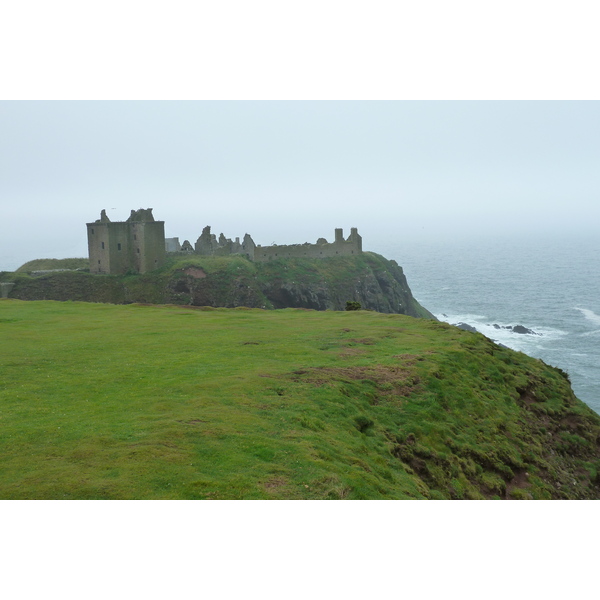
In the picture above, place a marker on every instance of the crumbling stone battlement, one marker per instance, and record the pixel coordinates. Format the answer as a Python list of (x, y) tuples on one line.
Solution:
[(142, 215), (322, 249), (209, 245)]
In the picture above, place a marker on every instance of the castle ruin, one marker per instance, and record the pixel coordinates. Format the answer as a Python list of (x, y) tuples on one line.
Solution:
[(139, 245), (322, 249), (209, 245)]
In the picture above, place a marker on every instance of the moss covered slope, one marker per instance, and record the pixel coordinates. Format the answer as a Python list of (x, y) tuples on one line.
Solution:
[(105, 401), (323, 284)]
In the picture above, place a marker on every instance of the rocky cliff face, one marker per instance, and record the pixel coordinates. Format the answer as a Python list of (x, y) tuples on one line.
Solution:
[(321, 284), (377, 283)]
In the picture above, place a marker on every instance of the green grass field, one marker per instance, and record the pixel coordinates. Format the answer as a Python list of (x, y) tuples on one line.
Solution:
[(103, 401)]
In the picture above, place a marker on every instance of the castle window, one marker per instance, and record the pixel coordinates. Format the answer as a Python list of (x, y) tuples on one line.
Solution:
[(102, 245), (98, 262), (118, 246), (134, 236), (138, 250), (92, 231)]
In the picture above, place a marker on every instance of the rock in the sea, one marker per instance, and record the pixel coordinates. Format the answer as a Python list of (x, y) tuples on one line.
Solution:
[(466, 327), (516, 329), (524, 330)]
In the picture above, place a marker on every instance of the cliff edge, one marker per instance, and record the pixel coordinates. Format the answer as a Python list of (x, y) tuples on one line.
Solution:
[(107, 401)]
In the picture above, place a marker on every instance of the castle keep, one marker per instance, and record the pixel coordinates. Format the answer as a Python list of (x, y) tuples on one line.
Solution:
[(139, 245)]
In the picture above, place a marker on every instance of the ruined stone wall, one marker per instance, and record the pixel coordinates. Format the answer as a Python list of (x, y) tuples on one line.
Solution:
[(172, 245), (98, 247), (186, 247), (208, 245), (118, 247), (322, 249), (149, 254), (248, 248)]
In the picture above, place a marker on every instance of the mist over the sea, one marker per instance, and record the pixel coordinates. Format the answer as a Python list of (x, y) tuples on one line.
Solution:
[(291, 172)]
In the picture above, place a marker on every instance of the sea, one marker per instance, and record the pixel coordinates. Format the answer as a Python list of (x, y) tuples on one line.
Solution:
[(548, 284)]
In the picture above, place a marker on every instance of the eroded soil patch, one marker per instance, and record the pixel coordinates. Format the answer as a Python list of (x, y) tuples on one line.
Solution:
[(195, 272), (397, 380)]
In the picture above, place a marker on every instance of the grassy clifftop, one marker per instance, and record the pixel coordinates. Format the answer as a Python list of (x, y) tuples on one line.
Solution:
[(105, 401), (326, 284), (48, 264)]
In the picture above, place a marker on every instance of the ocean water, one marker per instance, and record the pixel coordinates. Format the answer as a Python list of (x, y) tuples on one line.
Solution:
[(549, 284)]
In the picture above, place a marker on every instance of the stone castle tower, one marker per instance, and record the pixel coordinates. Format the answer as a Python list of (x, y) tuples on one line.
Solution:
[(137, 244)]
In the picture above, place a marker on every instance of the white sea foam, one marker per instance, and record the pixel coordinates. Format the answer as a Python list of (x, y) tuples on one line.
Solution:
[(517, 341), (465, 318), (536, 285), (590, 333), (590, 315)]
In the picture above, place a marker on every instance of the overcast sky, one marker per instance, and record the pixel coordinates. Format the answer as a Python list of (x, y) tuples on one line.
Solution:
[(291, 172)]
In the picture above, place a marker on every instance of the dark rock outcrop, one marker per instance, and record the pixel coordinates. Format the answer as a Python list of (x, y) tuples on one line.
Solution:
[(327, 284), (466, 327), (523, 330), (516, 329)]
